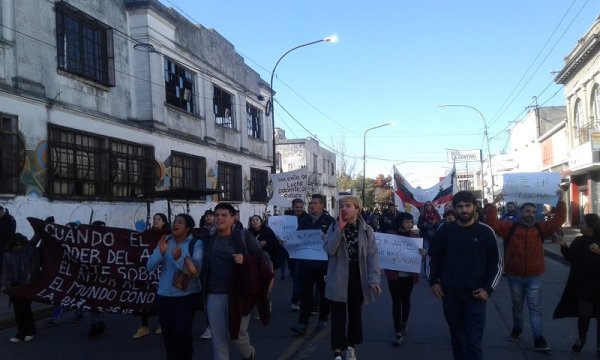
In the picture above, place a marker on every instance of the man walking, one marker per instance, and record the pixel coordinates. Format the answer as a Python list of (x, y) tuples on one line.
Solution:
[(464, 269), (313, 272), (8, 227), (524, 257)]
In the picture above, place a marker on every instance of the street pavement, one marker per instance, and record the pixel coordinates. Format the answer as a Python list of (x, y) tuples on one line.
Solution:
[(428, 336)]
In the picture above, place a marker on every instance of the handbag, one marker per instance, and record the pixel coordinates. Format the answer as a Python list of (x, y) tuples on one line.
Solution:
[(181, 280)]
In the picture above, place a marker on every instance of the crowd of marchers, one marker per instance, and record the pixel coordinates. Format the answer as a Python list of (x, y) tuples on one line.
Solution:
[(228, 270)]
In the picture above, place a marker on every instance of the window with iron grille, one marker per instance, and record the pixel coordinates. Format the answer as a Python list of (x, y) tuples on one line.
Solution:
[(187, 171), (84, 45), (230, 182), (254, 121), (259, 180), (132, 169), (179, 86), (83, 165), (223, 108), (12, 154)]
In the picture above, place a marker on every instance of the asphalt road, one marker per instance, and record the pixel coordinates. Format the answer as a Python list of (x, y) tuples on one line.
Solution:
[(427, 338)]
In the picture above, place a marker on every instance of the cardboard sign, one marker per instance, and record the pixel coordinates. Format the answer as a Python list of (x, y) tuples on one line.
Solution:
[(537, 188), (399, 253), (304, 244), (282, 224), (289, 186)]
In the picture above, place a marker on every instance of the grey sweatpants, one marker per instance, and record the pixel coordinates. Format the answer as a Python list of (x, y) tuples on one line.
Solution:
[(216, 308)]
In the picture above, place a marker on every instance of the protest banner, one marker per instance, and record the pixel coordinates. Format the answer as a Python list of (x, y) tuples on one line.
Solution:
[(94, 268), (289, 186), (304, 244), (399, 253), (537, 188), (283, 223)]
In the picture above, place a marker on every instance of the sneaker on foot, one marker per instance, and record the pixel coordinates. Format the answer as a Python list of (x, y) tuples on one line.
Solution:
[(295, 307), (158, 330), (398, 339), (337, 356), (251, 357), (515, 333), (321, 325), (403, 329), (16, 339), (207, 334), (539, 343), (141, 332), (350, 353), (578, 346), (299, 329), (28, 338)]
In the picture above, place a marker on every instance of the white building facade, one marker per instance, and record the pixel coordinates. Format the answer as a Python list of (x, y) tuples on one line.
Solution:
[(103, 103)]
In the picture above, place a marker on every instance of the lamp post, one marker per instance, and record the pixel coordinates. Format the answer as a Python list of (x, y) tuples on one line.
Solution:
[(271, 105), (365, 157), (487, 140)]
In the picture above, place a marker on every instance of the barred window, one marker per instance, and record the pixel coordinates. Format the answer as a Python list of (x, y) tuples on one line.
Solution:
[(12, 154), (84, 45), (179, 86), (132, 169), (230, 182), (223, 108), (84, 165), (254, 121), (187, 171), (259, 180)]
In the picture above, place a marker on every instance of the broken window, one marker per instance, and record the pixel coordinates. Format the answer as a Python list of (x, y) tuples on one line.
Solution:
[(254, 121), (223, 108), (179, 86), (259, 180)]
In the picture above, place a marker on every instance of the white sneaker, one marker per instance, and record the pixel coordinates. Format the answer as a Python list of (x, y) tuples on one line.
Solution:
[(207, 334), (28, 338), (350, 353)]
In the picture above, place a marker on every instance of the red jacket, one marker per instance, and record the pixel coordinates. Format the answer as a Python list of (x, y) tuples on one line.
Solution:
[(524, 254)]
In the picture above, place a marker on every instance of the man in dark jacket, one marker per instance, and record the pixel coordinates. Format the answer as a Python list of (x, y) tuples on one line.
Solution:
[(524, 258), (8, 227), (313, 272), (464, 269)]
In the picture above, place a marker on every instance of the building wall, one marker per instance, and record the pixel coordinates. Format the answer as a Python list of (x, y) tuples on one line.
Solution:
[(38, 93)]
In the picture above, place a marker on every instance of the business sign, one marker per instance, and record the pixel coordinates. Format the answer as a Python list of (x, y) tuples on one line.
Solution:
[(457, 156), (537, 188)]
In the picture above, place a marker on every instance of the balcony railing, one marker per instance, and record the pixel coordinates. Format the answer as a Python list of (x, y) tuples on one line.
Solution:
[(583, 132)]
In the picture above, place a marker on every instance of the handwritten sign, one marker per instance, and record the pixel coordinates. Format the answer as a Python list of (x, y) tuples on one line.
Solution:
[(94, 268), (283, 223), (537, 188), (304, 244), (399, 253), (289, 186)]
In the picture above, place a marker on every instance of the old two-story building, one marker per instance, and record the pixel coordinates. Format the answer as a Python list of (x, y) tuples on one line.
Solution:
[(294, 154), (581, 79), (103, 104)]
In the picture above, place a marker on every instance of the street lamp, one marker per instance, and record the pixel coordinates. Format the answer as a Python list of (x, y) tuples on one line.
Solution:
[(365, 157), (271, 106), (487, 140)]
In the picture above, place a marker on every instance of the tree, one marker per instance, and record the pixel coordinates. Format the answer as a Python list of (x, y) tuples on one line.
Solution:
[(383, 193), (344, 169)]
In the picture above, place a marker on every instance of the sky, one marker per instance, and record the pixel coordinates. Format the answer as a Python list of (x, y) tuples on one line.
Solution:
[(397, 61)]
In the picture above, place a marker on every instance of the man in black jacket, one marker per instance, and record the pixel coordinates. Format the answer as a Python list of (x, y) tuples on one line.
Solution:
[(313, 272), (464, 269)]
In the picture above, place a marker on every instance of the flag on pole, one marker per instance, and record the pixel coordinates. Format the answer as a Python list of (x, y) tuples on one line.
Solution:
[(411, 199)]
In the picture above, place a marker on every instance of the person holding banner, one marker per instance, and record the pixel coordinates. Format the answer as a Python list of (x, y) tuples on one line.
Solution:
[(312, 272), (353, 276), (180, 256), (525, 263), (401, 284), (464, 269)]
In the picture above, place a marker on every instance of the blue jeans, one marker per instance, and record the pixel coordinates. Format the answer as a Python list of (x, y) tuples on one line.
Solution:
[(529, 287), (465, 316)]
